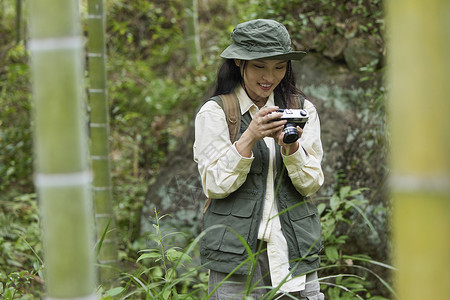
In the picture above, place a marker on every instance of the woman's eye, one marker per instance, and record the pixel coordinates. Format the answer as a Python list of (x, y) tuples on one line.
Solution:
[(259, 66)]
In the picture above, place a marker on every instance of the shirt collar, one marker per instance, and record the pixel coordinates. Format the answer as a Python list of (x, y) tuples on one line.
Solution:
[(246, 103)]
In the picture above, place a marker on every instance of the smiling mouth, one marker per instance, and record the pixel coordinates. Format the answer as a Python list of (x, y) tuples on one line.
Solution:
[(265, 86)]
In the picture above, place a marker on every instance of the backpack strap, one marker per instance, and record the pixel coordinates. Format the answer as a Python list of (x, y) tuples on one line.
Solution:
[(230, 105), (299, 101), (232, 110)]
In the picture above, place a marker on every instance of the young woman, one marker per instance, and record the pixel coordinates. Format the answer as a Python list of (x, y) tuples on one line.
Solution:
[(258, 185)]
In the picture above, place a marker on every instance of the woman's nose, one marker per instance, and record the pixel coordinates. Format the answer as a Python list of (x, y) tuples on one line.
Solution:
[(268, 76)]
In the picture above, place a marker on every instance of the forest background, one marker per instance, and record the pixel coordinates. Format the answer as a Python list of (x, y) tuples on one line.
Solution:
[(154, 90)]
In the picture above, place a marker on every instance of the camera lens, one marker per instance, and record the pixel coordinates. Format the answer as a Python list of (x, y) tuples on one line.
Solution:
[(290, 133)]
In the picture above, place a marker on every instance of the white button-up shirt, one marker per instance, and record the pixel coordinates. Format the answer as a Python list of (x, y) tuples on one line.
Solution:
[(223, 170)]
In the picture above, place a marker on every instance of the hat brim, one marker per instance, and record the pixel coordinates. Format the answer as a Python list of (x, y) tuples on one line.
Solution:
[(235, 52)]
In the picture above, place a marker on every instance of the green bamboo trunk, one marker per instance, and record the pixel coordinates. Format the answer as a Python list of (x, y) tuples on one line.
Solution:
[(18, 21), (192, 35), (99, 127), (62, 176), (419, 77)]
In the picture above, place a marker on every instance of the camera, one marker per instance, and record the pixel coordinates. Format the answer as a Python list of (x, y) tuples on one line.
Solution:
[(294, 118)]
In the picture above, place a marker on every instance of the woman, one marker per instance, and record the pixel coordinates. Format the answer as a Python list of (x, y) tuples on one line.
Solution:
[(258, 184)]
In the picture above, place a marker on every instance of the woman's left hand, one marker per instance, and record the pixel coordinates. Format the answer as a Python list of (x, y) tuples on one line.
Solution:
[(287, 149)]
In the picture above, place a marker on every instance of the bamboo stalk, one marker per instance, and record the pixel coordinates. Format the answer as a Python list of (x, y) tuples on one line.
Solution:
[(62, 175), (419, 72), (99, 127), (192, 35), (18, 21)]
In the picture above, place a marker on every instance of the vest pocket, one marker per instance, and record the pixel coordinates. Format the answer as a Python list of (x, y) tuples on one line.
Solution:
[(306, 225), (236, 215), (213, 238), (240, 221)]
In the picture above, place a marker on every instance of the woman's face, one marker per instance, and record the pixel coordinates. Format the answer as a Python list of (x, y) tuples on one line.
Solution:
[(261, 77)]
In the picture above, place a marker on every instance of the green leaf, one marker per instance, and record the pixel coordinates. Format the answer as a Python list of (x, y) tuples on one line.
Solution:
[(332, 253), (357, 192), (171, 274), (8, 295), (174, 255), (321, 208), (334, 202), (344, 192), (149, 255), (174, 294), (114, 292)]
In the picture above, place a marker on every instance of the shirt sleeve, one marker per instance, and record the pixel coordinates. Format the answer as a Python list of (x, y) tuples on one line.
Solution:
[(222, 169), (304, 165)]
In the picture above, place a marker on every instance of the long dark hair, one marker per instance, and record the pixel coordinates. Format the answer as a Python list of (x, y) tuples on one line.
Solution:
[(229, 76)]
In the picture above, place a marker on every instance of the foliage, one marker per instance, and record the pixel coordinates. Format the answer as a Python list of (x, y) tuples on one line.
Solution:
[(163, 271), (338, 283), (150, 85), (146, 29), (15, 130), (171, 273), (20, 247), (316, 20), (17, 286), (152, 95)]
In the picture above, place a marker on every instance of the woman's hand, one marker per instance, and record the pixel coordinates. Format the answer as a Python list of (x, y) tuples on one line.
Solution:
[(287, 149), (262, 125)]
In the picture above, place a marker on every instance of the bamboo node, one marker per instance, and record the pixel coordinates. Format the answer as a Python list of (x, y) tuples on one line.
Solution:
[(63, 179)]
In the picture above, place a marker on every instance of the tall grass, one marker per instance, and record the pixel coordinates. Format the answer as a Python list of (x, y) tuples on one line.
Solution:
[(166, 271)]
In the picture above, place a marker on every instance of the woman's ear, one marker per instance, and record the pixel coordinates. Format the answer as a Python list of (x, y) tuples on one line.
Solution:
[(237, 62)]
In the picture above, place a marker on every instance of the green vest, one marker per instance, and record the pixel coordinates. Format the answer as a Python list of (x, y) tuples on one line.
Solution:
[(237, 217)]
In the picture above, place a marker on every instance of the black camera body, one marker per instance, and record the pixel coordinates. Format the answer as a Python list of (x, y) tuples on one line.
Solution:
[(294, 118)]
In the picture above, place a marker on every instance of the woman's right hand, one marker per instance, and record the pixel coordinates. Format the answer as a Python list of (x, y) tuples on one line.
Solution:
[(261, 126)]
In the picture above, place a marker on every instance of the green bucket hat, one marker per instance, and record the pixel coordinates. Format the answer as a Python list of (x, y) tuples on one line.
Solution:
[(261, 39)]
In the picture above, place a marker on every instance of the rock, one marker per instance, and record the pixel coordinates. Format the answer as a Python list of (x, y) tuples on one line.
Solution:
[(177, 190), (334, 48), (360, 53)]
